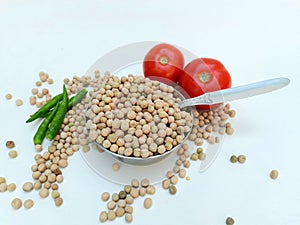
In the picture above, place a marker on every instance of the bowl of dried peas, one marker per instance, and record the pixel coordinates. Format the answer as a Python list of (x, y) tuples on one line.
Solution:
[(144, 132), (139, 118)]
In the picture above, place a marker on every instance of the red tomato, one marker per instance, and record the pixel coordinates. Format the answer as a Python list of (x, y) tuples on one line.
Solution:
[(163, 61), (204, 75)]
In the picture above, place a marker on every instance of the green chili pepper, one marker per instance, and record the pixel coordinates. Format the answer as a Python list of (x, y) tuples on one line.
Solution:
[(72, 101), (58, 117), (41, 132), (45, 109), (77, 98)]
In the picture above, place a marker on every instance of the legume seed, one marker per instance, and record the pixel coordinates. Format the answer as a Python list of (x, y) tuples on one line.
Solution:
[(2, 180), (27, 186), (11, 187), (147, 203), (44, 193), (28, 204), (16, 203), (135, 183), (122, 195), (8, 96), (120, 212), (229, 221), (274, 174), (55, 194), (103, 216), (241, 158), (58, 201), (142, 191), (13, 154), (10, 144), (105, 196), (111, 205), (233, 159), (145, 183), (111, 215), (3, 187), (128, 217), (127, 189), (172, 190), (128, 209), (115, 197)]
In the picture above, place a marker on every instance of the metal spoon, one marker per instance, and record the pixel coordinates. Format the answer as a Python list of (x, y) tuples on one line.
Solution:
[(235, 93)]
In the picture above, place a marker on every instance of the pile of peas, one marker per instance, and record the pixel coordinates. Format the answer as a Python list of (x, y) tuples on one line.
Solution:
[(135, 117)]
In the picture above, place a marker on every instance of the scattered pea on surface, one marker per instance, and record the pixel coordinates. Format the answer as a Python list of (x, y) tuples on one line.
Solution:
[(59, 178), (16, 203), (19, 102), (27, 186), (194, 157), (54, 187), (128, 217), (3, 187), (120, 212), (172, 190), (58, 201), (134, 192), (122, 195), (142, 191), (13, 154), (8, 96), (50, 81), (11, 187), (166, 184), (38, 148), (188, 178), (150, 190), (38, 83), (55, 194), (111, 205), (135, 183), (105, 196), (28, 203), (174, 180), (2, 180), (128, 209), (202, 156), (37, 185), (44, 193), (229, 221), (10, 144), (115, 197), (229, 130), (145, 183), (103, 216), (127, 189), (129, 199), (111, 215), (274, 174), (122, 203), (182, 173), (242, 159), (233, 159), (147, 203)]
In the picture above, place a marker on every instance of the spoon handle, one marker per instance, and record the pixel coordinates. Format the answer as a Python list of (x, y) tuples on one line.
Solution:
[(238, 92)]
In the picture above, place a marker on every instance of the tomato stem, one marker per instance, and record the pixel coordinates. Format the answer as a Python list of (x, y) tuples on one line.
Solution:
[(204, 77), (163, 60)]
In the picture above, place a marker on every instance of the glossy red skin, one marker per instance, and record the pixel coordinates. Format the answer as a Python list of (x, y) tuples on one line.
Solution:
[(172, 70), (190, 82)]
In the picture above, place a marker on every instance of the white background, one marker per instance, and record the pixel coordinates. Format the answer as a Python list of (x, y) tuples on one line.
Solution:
[(255, 39)]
